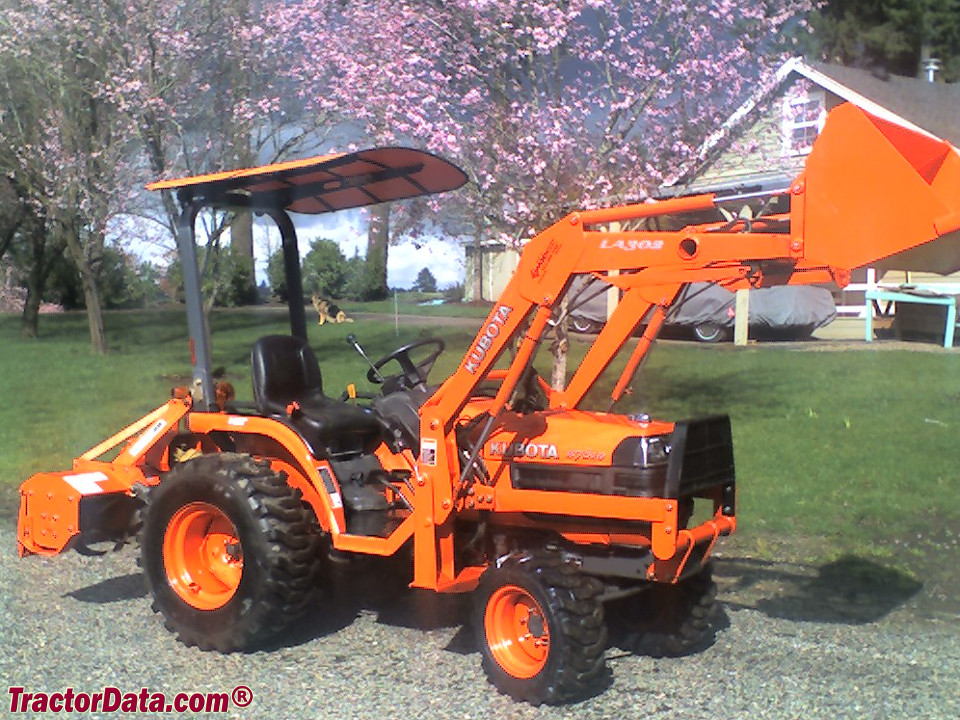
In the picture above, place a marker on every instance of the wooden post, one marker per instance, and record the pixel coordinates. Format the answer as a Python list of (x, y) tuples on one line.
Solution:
[(742, 317), (613, 293)]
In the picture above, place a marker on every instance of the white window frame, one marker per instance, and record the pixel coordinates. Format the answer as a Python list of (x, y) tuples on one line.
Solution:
[(790, 126)]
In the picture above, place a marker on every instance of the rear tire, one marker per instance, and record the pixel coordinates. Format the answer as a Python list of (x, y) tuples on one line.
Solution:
[(539, 625), (230, 552), (667, 620)]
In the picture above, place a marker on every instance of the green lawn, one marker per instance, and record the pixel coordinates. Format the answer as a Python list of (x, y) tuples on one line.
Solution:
[(857, 447), (61, 400)]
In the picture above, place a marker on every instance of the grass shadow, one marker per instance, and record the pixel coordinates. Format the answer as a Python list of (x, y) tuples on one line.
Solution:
[(661, 394), (850, 590)]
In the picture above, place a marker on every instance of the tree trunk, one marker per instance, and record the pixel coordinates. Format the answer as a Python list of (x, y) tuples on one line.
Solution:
[(378, 238), (11, 214), (477, 280), (36, 280), (241, 242), (559, 348), (87, 257), (30, 319), (41, 262), (91, 295)]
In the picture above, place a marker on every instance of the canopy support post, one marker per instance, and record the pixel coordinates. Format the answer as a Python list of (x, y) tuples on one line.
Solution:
[(291, 268), (202, 390)]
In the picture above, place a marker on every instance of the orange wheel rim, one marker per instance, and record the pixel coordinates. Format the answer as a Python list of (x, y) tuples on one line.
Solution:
[(517, 631), (202, 556)]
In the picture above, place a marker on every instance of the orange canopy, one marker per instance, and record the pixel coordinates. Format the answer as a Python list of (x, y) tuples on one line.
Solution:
[(323, 184)]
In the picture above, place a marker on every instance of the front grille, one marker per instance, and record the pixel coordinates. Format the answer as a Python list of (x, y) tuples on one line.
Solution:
[(706, 457), (625, 482), (700, 459)]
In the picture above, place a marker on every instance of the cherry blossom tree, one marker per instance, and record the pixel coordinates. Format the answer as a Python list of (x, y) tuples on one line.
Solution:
[(206, 87), (549, 105), (99, 97), (62, 149)]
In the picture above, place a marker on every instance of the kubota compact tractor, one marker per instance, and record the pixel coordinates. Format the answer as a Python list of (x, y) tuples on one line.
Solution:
[(500, 485)]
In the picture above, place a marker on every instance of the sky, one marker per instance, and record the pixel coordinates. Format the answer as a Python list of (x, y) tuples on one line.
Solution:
[(349, 229)]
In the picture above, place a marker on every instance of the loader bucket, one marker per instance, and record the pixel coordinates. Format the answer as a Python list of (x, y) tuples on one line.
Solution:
[(877, 191)]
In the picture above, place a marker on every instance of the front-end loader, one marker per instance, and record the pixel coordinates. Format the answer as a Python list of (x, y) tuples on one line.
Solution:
[(561, 521)]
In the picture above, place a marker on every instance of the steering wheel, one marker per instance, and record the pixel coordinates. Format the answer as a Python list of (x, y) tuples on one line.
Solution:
[(413, 373)]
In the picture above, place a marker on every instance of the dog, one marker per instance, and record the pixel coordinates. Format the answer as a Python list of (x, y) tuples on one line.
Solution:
[(328, 312)]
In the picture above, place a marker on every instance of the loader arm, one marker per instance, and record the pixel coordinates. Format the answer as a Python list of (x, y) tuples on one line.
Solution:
[(870, 190)]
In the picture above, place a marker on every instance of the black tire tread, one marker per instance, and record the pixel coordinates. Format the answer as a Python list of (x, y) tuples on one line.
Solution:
[(669, 620), (573, 599), (289, 544)]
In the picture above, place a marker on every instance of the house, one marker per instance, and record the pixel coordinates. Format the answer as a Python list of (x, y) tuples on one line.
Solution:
[(764, 143), (768, 138), (495, 262)]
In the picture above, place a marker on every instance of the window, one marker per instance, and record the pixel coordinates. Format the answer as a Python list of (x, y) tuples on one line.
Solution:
[(803, 118)]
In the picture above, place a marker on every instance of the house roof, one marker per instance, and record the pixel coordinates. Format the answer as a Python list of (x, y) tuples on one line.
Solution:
[(933, 108)]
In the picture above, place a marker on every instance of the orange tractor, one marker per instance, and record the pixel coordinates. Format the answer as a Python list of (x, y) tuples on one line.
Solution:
[(560, 521)]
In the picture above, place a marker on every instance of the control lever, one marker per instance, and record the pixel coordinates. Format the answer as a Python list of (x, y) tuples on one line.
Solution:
[(352, 340)]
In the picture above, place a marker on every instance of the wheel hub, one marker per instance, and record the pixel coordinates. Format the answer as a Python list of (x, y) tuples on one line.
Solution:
[(202, 556), (517, 631)]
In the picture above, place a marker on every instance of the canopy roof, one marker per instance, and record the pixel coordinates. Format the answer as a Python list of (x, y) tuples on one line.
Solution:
[(322, 184)]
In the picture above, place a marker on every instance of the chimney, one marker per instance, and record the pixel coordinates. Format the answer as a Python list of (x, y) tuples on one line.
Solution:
[(930, 66)]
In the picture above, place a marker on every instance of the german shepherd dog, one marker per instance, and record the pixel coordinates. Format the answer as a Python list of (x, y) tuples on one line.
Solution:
[(328, 312)]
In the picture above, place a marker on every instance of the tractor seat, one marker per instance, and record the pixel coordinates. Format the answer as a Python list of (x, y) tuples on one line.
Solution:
[(285, 371)]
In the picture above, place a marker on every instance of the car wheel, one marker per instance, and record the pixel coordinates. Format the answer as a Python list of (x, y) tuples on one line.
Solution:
[(709, 333), (582, 325)]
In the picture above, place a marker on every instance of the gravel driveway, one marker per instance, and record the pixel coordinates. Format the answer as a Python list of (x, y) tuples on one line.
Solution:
[(800, 642)]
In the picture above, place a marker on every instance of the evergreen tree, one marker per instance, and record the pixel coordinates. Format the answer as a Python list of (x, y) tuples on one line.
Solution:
[(425, 282), (895, 36)]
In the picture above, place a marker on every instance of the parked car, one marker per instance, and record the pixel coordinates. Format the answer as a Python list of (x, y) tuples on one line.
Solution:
[(707, 311)]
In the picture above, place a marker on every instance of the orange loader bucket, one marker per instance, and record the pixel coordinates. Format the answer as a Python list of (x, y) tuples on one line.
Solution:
[(875, 191)]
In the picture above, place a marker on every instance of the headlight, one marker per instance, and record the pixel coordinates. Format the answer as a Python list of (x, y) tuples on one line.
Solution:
[(655, 450)]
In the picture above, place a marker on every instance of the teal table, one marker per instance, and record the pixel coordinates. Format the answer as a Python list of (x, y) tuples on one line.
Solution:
[(907, 296)]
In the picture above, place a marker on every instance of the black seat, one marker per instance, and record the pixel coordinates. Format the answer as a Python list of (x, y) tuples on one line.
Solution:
[(285, 371)]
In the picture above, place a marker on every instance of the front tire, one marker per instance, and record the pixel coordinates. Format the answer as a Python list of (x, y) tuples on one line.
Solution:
[(230, 552), (667, 620), (539, 625)]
